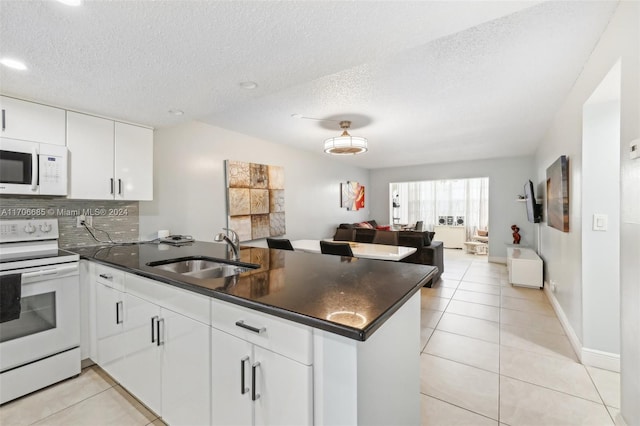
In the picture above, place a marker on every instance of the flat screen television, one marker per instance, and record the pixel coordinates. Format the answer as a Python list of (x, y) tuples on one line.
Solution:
[(534, 210)]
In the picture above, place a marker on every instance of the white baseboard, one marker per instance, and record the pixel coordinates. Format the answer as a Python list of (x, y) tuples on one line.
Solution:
[(600, 359), (564, 321), (591, 357)]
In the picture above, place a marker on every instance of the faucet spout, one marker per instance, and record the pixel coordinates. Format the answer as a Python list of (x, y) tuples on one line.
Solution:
[(230, 241)]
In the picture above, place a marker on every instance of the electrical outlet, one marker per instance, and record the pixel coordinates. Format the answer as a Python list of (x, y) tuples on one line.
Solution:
[(553, 286), (82, 219)]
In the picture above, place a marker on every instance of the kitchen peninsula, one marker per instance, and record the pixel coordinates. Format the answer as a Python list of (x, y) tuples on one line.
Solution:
[(299, 339)]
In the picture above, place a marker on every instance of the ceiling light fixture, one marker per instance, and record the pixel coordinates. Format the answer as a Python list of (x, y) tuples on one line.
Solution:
[(71, 2), (248, 85), (345, 144), (13, 63)]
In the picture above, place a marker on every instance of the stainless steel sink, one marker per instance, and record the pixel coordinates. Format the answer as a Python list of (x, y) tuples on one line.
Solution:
[(203, 267)]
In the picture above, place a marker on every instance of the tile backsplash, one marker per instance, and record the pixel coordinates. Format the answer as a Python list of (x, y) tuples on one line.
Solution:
[(120, 219)]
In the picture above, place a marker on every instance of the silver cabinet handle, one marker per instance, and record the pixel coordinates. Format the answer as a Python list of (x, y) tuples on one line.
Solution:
[(118, 312), (160, 332), (4, 121), (243, 390), (254, 395), (119, 186), (153, 328), (111, 186), (250, 328), (34, 169), (106, 276)]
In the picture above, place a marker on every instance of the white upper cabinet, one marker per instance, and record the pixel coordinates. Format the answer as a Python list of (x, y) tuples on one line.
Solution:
[(134, 162), (90, 144), (109, 160), (33, 122)]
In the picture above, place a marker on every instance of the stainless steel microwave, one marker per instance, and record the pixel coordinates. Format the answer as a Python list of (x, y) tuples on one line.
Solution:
[(31, 168)]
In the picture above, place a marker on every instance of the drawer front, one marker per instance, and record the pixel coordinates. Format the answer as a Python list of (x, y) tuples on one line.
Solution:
[(110, 277), (193, 305), (287, 338)]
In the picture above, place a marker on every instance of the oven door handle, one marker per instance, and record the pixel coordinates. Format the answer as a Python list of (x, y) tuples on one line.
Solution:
[(50, 272)]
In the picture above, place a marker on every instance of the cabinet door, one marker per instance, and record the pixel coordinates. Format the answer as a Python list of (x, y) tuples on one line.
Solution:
[(231, 396), (285, 388), (29, 121), (186, 370), (90, 144), (109, 330), (133, 162), (143, 355)]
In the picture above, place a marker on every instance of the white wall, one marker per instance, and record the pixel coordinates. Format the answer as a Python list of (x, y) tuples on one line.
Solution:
[(601, 249), (190, 193), (507, 177), (562, 251)]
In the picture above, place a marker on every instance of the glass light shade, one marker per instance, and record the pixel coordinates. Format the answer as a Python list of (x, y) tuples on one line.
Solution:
[(345, 145)]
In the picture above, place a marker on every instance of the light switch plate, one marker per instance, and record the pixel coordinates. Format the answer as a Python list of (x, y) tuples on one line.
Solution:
[(600, 222), (634, 149)]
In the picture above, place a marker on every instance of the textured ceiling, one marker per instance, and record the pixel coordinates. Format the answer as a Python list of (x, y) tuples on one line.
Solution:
[(423, 81)]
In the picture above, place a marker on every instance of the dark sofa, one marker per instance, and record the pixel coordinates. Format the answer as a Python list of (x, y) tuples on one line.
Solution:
[(428, 252)]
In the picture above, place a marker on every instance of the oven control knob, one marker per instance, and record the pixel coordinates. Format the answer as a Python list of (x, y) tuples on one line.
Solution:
[(29, 229), (45, 227)]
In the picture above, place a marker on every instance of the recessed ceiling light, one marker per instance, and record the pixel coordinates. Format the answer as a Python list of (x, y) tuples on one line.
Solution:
[(176, 112), (248, 85), (71, 2), (13, 63)]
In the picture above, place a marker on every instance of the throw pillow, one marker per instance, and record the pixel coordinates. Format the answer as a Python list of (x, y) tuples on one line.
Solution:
[(364, 225), (373, 223), (482, 233)]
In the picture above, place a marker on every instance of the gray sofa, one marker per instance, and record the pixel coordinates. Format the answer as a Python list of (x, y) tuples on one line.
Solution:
[(428, 252)]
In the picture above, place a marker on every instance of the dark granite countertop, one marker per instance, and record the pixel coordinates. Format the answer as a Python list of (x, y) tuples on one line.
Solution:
[(347, 296)]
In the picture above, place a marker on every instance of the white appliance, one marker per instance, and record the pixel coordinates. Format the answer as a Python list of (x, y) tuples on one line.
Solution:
[(40, 346), (31, 168)]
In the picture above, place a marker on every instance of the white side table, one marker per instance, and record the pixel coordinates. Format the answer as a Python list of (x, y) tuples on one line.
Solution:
[(475, 247), (525, 267)]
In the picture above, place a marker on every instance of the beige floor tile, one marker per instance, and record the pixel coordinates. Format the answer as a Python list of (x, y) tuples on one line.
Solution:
[(483, 273), (158, 422), (449, 282), (434, 303), (475, 297), (452, 274), (439, 413), (524, 293), (429, 318), (480, 288), (489, 313), (470, 327), (467, 387), (615, 415), (37, 406), (425, 335), (531, 321), (552, 372), (465, 350), (526, 404), (445, 292), (541, 307), (608, 385), (535, 341), (481, 279), (111, 407)]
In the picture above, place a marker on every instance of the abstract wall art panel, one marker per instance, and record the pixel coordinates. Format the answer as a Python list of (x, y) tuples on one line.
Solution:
[(558, 194), (352, 196), (255, 200)]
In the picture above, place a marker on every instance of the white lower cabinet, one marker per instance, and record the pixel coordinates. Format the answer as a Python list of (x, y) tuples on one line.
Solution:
[(109, 320), (160, 356), (255, 386)]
